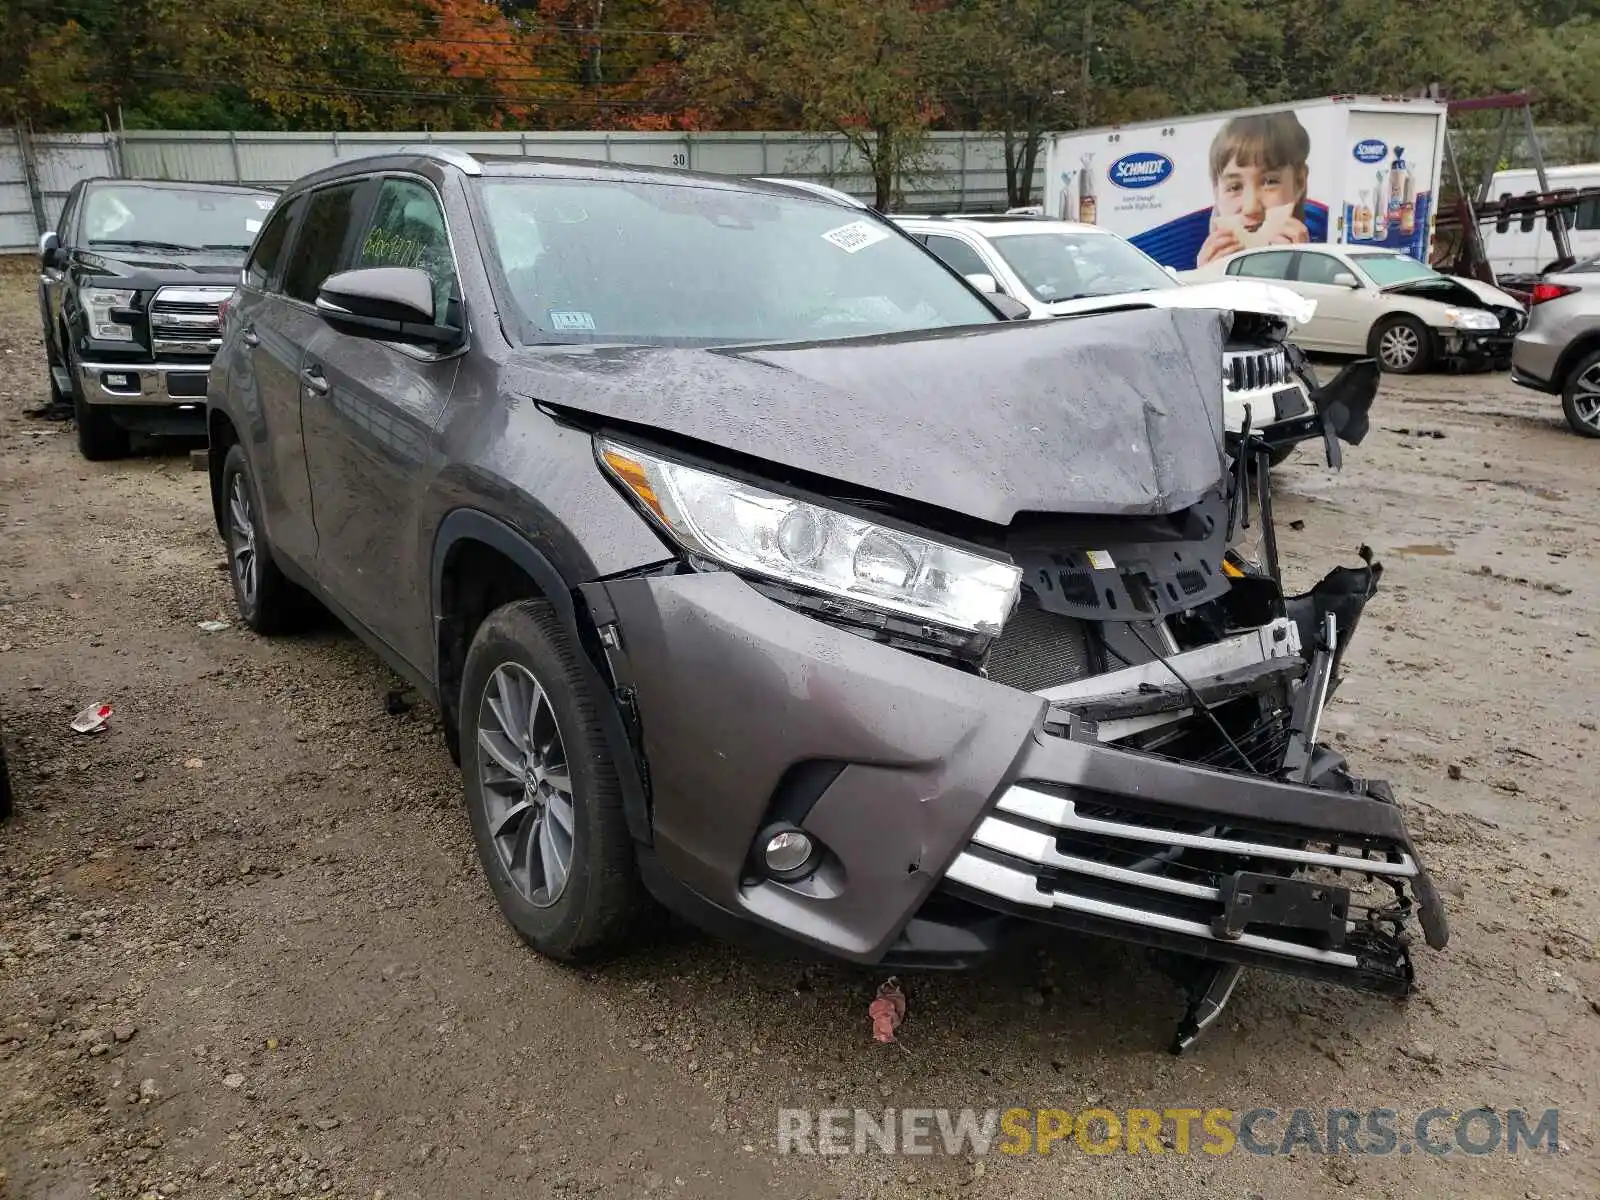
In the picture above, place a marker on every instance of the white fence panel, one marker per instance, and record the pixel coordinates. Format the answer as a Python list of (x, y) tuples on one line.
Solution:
[(18, 228)]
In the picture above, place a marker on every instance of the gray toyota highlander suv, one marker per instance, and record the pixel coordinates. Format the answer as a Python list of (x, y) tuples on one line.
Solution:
[(757, 564)]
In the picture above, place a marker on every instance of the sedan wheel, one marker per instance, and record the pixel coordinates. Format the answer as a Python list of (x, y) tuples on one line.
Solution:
[(1580, 399), (526, 784), (1399, 347)]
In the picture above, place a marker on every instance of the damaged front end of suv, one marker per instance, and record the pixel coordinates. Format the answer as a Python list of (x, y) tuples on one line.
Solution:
[(928, 673)]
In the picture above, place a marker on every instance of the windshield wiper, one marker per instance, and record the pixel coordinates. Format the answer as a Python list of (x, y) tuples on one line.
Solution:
[(224, 246), (145, 244)]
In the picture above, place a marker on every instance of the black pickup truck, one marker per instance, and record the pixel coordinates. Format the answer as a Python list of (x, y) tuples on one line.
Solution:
[(130, 289)]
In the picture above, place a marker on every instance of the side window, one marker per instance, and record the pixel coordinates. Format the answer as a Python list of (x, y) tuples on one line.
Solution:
[(319, 249), (262, 269), (1269, 264), (1319, 268), (69, 213), (960, 256), (408, 230), (1589, 213)]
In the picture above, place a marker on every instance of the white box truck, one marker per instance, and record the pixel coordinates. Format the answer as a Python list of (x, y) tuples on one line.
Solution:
[(1359, 169), (1524, 245)]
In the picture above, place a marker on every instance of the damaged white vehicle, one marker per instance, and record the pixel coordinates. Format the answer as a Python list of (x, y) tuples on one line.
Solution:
[(1064, 269)]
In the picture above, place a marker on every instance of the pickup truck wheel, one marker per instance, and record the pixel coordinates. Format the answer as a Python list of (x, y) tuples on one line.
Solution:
[(268, 602), (100, 438), (1402, 345), (542, 791), (1580, 396)]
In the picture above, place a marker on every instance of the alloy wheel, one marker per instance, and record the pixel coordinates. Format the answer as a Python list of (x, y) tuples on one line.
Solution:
[(242, 540), (1399, 347), (526, 784), (1586, 397)]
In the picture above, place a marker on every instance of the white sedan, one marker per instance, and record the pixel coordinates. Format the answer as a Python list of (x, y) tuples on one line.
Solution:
[(1382, 303)]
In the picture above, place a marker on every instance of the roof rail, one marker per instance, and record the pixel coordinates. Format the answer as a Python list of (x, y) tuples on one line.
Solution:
[(448, 154), (816, 189)]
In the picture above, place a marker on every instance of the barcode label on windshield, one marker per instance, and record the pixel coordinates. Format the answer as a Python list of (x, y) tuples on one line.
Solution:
[(857, 235)]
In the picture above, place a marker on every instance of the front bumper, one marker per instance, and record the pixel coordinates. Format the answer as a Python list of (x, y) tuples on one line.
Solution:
[(948, 807), (1469, 350), (144, 384)]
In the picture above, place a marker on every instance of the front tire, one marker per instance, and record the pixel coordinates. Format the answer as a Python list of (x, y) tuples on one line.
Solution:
[(267, 601), (100, 438), (542, 790), (1580, 396), (1402, 345)]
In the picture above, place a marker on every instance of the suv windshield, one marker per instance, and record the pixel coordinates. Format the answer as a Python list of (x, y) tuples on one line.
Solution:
[(1388, 270), (654, 264), (174, 219), (1070, 266)]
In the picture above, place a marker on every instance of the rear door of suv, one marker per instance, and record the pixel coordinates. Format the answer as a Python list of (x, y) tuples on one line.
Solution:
[(275, 322), (370, 410)]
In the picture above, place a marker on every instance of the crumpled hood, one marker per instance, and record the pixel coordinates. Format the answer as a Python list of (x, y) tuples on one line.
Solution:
[(1118, 414), (1460, 291), (1227, 295)]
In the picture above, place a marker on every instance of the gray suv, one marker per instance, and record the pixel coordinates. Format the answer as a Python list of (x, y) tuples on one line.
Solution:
[(757, 564), (1559, 351)]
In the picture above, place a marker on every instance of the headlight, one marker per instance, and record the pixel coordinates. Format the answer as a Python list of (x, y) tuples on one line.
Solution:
[(808, 546), (1470, 318), (99, 302)]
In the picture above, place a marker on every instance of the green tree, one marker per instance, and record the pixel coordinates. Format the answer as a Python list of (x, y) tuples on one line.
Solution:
[(1017, 69), (867, 71)]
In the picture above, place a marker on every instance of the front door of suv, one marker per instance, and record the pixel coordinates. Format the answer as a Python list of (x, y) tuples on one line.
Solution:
[(370, 411)]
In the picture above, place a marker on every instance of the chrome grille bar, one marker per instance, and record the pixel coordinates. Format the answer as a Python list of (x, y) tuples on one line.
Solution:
[(1021, 887), (1063, 814)]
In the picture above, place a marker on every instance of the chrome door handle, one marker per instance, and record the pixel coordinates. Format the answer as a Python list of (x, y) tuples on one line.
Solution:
[(315, 380)]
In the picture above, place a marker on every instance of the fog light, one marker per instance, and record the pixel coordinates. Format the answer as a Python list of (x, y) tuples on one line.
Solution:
[(117, 380), (787, 852)]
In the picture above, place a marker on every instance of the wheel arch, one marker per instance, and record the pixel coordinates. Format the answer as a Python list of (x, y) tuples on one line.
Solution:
[(471, 540), (221, 435), (1578, 349)]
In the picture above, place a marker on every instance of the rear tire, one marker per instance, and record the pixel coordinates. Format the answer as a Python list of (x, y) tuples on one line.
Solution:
[(1580, 396), (267, 601), (1402, 345), (542, 790)]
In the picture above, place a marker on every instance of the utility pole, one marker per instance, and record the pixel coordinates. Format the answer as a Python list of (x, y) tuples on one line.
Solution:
[(1084, 82)]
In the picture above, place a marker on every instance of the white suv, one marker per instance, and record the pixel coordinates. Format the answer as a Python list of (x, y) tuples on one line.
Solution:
[(1061, 268)]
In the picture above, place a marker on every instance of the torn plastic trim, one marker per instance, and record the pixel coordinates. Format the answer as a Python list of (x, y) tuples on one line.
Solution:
[(1279, 639)]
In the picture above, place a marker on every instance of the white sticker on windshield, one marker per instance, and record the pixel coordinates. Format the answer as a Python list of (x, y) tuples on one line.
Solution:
[(252, 226), (572, 321), (857, 235), (264, 205), (1100, 560)]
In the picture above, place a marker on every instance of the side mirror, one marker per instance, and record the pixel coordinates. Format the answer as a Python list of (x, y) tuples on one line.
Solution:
[(388, 304), (1345, 279), (50, 250), (987, 284)]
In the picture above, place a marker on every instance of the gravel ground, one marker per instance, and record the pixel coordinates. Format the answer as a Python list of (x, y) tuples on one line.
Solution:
[(245, 949)]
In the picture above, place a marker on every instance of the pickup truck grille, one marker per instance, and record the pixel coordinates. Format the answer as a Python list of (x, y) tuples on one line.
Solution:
[(1252, 370), (186, 320)]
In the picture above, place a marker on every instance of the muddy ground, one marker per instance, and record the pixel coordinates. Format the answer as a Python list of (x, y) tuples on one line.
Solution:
[(245, 949)]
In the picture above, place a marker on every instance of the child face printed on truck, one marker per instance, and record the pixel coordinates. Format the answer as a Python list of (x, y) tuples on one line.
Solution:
[(1258, 180)]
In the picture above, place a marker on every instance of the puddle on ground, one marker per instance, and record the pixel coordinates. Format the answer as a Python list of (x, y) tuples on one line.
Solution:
[(1427, 549)]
